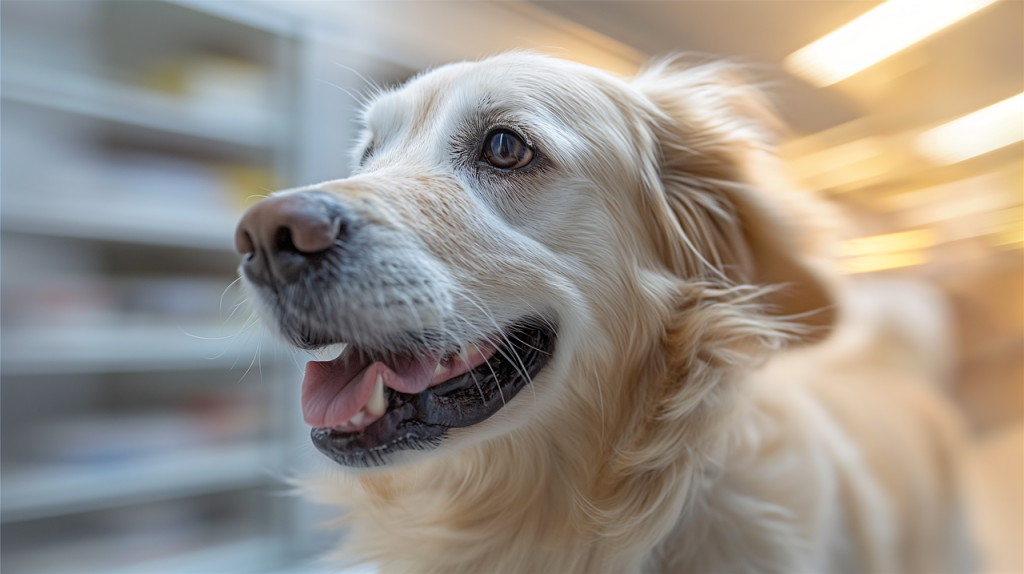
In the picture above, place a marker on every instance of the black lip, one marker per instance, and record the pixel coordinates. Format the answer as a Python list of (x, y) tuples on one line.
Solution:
[(420, 421)]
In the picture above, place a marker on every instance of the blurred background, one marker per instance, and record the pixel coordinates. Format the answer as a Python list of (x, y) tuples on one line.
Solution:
[(148, 423)]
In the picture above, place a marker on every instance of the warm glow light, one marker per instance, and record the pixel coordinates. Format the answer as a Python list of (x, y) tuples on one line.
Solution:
[(983, 131), (889, 243), (829, 160), (1008, 228), (887, 251), (883, 261), (875, 36)]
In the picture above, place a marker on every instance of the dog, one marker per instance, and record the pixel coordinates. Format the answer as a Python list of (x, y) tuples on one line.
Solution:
[(581, 336)]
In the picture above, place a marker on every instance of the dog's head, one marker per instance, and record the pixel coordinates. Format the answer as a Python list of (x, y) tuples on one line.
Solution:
[(513, 224)]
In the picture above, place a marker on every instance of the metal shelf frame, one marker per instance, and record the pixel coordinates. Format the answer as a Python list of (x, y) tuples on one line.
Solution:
[(50, 491), (122, 104), (58, 489)]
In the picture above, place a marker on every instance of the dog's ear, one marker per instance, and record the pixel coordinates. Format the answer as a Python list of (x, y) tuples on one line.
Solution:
[(719, 216)]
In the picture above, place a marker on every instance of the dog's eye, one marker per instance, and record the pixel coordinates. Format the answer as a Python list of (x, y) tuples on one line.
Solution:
[(506, 150)]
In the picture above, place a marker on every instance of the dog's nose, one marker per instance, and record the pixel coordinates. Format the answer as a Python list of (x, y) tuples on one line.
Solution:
[(280, 235)]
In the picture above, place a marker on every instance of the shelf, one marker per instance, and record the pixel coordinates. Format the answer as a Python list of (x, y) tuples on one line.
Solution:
[(122, 221), (67, 488), (327, 569), (138, 348), (123, 104), (261, 16), (78, 211), (247, 555)]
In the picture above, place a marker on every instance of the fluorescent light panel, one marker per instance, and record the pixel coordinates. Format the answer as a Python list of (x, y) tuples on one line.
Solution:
[(888, 251), (985, 130), (875, 36), (889, 243), (883, 261)]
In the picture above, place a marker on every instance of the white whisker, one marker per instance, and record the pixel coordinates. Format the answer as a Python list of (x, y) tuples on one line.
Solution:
[(519, 365), (220, 305), (253, 362), (350, 94)]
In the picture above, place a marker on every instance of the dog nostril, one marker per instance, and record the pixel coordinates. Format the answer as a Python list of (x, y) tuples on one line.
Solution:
[(342, 232), (283, 242)]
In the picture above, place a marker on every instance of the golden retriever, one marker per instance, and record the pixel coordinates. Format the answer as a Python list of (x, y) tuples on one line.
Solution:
[(559, 290)]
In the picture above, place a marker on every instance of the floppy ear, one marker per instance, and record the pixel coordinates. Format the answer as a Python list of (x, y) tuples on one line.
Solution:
[(715, 132)]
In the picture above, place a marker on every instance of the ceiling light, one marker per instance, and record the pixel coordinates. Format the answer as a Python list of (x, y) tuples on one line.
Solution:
[(883, 261), (889, 243), (888, 251), (983, 131), (875, 36)]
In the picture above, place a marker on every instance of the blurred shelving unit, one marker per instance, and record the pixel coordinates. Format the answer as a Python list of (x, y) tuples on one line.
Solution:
[(117, 222), (148, 421), (62, 489), (123, 348), (129, 106), (117, 161)]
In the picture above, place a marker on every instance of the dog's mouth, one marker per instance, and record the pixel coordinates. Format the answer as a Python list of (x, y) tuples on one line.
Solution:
[(364, 406)]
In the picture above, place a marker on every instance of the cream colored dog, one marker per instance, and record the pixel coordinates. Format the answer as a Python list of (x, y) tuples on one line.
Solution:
[(558, 291)]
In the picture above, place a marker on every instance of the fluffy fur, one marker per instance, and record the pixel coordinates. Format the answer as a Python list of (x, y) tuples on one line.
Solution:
[(658, 439)]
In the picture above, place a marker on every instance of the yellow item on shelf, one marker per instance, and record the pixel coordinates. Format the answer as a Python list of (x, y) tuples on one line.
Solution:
[(246, 184)]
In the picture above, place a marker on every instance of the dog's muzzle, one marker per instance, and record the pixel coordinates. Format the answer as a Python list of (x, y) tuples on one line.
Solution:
[(326, 273)]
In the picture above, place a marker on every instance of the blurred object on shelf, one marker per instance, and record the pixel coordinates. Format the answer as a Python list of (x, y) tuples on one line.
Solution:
[(110, 437), (246, 184), (78, 301), (188, 298), (215, 80), (117, 191), (114, 539), (143, 348), (157, 179), (121, 536), (117, 175)]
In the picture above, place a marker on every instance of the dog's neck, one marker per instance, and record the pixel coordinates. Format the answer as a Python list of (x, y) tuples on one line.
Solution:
[(593, 492)]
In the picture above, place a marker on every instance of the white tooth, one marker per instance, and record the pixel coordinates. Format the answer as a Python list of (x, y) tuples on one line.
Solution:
[(439, 370), (357, 419), (334, 351), (377, 405), (329, 352)]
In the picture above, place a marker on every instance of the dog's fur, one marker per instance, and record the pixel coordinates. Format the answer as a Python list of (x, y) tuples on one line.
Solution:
[(657, 439)]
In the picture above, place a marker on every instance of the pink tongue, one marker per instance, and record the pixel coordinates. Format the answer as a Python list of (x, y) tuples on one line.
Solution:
[(334, 391)]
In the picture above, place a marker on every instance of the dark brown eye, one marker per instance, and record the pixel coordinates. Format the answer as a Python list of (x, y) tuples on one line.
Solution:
[(504, 149)]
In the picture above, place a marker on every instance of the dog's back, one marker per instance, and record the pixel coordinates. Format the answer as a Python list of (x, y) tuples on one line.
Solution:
[(898, 445)]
